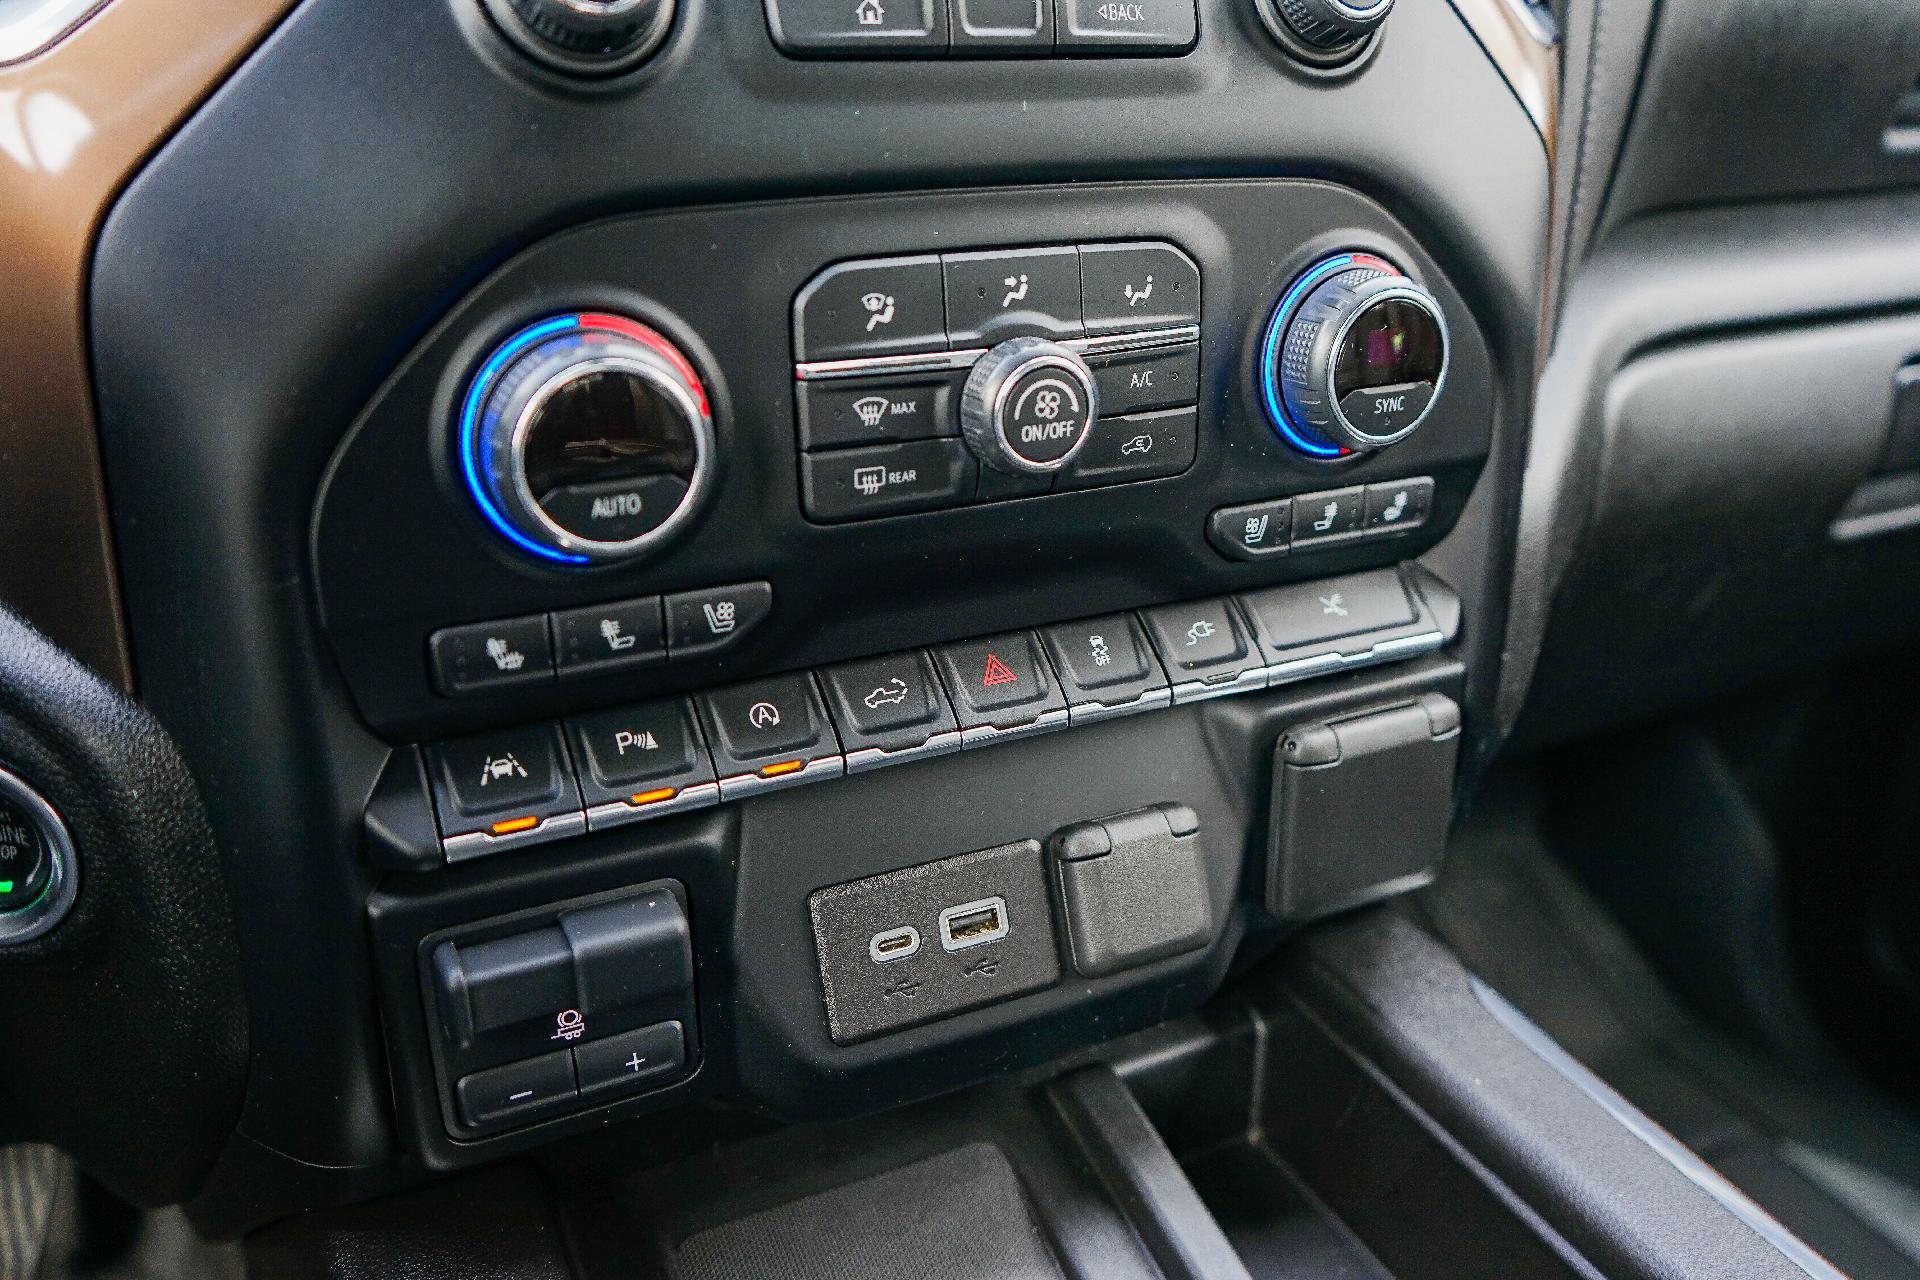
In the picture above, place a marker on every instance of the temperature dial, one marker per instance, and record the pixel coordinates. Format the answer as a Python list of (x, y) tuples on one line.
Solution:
[(1028, 406), (586, 439), (1354, 359)]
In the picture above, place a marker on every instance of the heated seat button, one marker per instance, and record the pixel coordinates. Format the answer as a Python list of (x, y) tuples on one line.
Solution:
[(705, 622), (508, 785), (1116, 26), (1001, 685), (1106, 666), (647, 754), (518, 1092), (889, 708), (1402, 505), (631, 1061), (1311, 612), (1336, 513), (1143, 285), (834, 415), (1140, 447), (881, 307), (1206, 649), (1254, 531), (609, 637), (1141, 380), (890, 479), (486, 655), (1012, 294), (767, 732)]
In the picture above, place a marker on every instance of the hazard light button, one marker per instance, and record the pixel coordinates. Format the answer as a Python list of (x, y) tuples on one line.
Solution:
[(1001, 686)]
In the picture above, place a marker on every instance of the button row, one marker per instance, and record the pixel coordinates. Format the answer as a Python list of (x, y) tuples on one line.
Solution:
[(541, 782), (1263, 530), (597, 640), (931, 475), (587, 1073), (939, 302), (981, 28)]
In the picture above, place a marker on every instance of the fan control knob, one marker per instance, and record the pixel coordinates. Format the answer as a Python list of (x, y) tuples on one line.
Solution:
[(1028, 407)]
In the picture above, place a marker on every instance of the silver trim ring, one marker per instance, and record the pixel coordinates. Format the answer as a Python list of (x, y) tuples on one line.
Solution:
[(664, 378), (1079, 382), (39, 917), (1399, 292)]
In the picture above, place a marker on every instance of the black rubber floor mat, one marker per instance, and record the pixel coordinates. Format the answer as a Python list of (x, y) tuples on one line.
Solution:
[(961, 1215)]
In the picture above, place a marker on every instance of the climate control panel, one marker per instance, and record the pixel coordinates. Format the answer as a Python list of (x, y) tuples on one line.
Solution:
[(903, 420), (942, 380)]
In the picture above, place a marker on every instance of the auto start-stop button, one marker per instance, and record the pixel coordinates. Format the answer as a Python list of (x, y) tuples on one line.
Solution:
[(24, 861)]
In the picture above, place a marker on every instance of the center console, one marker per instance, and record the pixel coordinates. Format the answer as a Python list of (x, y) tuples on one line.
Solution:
[(790, 561)]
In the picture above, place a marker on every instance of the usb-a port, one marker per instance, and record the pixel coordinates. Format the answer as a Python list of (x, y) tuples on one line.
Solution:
[(973, 923)]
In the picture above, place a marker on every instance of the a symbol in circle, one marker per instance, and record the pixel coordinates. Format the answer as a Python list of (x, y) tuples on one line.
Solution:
[(763, 715)]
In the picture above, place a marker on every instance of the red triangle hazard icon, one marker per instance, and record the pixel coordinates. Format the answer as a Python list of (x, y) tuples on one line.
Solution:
[(997, 673)]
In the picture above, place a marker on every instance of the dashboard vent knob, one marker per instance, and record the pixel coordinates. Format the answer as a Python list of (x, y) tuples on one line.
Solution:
[(1325, 33), (585, 37)]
